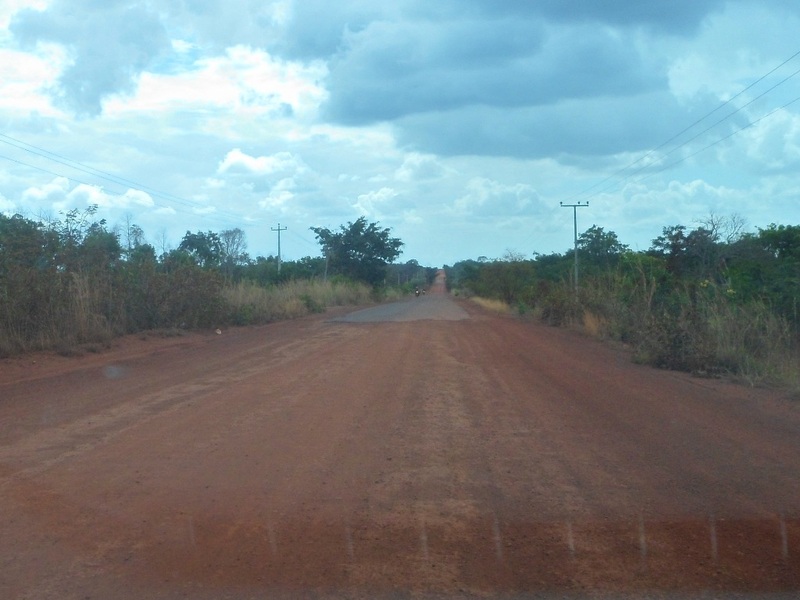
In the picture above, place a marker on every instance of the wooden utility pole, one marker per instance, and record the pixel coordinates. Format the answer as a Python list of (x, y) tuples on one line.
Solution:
[(279, 229), (575, 208)]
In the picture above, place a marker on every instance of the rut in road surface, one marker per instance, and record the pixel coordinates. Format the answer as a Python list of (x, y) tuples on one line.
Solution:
[(466, 455)]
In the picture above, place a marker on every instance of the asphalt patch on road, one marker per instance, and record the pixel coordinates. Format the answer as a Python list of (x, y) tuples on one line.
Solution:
[(425, 308)]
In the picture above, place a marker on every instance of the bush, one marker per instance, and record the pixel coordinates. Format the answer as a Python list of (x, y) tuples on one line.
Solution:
[(705, 330), (558, 305)]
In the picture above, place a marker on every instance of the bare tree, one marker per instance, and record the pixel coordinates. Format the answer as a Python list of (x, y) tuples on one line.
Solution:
[(234, 245), (727, 229), (132, 234), (234, 249)]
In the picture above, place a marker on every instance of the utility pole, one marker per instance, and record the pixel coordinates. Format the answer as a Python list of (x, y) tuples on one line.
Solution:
[(575, 208), (279, 229)]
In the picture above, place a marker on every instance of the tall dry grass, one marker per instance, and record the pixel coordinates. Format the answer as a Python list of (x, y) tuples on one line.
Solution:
[(249, 303), (749, 340), (492, 305), (74, 311), (700, 328), (83, 313)]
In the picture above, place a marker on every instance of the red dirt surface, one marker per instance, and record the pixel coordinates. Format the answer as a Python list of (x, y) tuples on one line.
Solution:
[(410, 458)]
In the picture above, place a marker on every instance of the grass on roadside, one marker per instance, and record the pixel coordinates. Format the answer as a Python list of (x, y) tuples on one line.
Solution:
[(496, 306), (249, 303)]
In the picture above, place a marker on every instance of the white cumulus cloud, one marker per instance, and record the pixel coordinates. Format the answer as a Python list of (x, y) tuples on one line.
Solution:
[(374, 203), (488, 197), (237, 161)]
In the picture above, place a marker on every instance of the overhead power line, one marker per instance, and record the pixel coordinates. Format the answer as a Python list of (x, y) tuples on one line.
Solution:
[(585, 192), (719, 141), (710, 127), (104, 175)]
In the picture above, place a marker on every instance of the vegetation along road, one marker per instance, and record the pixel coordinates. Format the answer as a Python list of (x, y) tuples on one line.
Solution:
[(425, 449)]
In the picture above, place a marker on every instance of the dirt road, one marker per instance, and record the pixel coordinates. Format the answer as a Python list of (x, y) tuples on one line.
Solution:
[(421, 450)]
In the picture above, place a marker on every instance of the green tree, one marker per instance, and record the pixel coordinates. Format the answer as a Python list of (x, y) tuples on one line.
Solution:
[(145, 288), (307, 267), (29, 286), (100, 250), (408, 275), (693, 254), (782, 241), (508, 279), (599, 248), (360, 250), (780, 275), (205, 248)]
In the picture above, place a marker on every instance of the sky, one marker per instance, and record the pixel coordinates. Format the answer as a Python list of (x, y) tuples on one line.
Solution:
[(461, 125)]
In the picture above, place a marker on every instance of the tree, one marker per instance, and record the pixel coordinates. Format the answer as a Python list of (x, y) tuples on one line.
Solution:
[(100, 249), (24, 244), (508, 278), (410, 274), (234, 246), (204, 248), (132, 234), (727, 229), (71, 233), (29, 284), (600, 248), (671, 245), (359, 250), (782, 241), (233, 250), (781, 274), (693, 254)]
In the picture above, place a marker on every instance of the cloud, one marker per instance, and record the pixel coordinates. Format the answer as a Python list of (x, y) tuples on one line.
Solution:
[(135, 198), (419, 167), (583, 127), (280, 195), (445, 119), (274, 182), (485, 198), (239, 90), (279, 175), (219, 24), (6, 206), (237, 161), (317, 28), (50, 193), (391, 70), (9, 7), (24, 74), (676, 16), (670, 203), (59, 194), (109, 44), (772, 145), (707, 64), (314, 28), (513, 83), (373, 203), (86, 195)]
